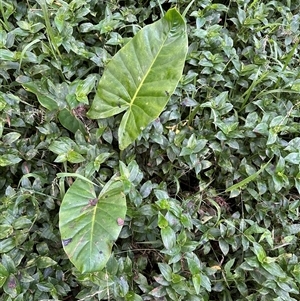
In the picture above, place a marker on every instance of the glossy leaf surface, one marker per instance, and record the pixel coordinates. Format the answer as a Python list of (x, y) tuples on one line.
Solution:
[(89, 225), (142, 75)]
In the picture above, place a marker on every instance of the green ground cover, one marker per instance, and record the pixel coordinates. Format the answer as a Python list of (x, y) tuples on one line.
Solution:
[(206, 195)]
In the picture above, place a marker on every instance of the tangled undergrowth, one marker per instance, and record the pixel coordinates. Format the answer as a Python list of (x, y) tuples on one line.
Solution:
[(213, 201)]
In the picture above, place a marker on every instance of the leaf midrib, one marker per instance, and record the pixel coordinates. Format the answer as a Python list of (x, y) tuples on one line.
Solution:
[(148, 71)]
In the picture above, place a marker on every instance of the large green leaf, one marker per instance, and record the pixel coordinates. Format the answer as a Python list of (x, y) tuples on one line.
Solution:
[(89, 225), (142, 75)]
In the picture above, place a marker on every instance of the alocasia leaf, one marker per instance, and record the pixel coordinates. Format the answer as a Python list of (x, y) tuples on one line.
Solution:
[(90, 224), (141, 77)]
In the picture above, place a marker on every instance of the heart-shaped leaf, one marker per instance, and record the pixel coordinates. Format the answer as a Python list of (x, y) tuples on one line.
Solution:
[(142, 75), (89, 225)]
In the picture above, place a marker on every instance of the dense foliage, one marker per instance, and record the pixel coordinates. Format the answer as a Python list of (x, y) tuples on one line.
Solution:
[(213, 183)]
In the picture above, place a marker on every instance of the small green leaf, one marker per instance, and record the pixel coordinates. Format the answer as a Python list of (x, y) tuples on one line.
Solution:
[(11, 286), (224, 246), (166, 271), (131, 296), (278, 121), (177, 278), (8, 263), (84, 87), (274, 269), (59, 19), (7, 244), (252, 262), (205, 282), (74, 157), (228, 266), (5, 230), (259, 252), (22, 222), (44, 287), (9, 159), (293, 158), (146, 189), (158, 292), (70, 122), (262, 128), (162, 221), (10, 138), (194, 265), (168, 237), (3, 274), (242, 287), (67, 150), (101, 159), (44, 262), (272, 136), (62, 146), (61, 158), (7, 55), (122, 286), (196, 278), (45, 98)]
